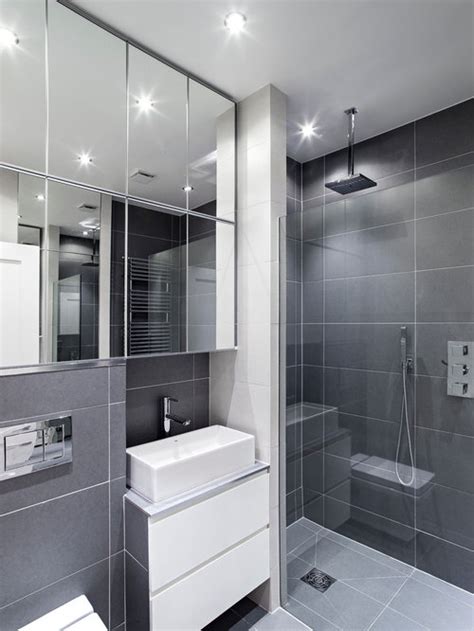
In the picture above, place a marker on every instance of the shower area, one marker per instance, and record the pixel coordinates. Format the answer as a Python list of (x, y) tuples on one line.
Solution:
[(377, 376)]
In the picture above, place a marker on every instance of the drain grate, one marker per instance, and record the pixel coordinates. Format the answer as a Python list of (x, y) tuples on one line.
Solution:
[(319, 580)]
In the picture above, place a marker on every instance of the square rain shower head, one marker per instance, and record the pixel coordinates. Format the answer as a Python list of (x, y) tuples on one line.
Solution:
[(351, 184)]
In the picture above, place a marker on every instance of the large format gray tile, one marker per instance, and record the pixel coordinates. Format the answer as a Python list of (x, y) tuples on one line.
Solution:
[(432, 345), (365, 346), (380, 589), (436, 410), (369, 394), (47, 542), (445, 240), (391, 620), (313, 302), (313, 261), (249, 611), (445, 134), (117, 592), (296, 534), (445, 295), (445, 187), (93, 582), (293, 178), (136, 596), (150, 371), (391, 202), (136, 533), (201, 365), (118, 376), (313, 384), (381, 250), (118, 489), (387, 298), (52, 392), (200, 416), (89, 466), (445, 560), (312, 346), (309, 617), (280, 620), (117, 430), (445, 588), (313, 178), (449, 456), (425, 606)]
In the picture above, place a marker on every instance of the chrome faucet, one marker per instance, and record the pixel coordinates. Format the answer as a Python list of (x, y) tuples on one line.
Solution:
[(168, 417)]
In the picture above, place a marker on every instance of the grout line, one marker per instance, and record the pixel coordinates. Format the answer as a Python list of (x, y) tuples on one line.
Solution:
[(136, 560), (37, 591), (389, 603), (53, 499), (315, 612)]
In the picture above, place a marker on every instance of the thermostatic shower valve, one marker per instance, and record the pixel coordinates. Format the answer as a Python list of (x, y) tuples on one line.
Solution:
[(461, 369)]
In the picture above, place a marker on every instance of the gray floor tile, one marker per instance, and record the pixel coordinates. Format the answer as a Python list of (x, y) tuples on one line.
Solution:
[(445, 588), (425, 605), (311, 525), (343, 606), (391, 620), (380, 589), (296, 534), (309, 617), (281, 620)]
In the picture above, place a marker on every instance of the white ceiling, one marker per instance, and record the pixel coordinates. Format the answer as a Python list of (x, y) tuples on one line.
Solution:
[(396, 60)]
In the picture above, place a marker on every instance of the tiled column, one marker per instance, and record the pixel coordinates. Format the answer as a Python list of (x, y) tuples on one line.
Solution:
[(244, 383)]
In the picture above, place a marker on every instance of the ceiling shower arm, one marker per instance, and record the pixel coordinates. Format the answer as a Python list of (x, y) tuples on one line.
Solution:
[(351, 112)]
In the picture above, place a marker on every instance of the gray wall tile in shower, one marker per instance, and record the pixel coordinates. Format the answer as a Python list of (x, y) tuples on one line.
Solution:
[(432, 345), (445, 134), (450, 562), (445, 240), (389, 298), (313, 178), (445, 187), (445, 295), (313, 344), (313, 302), (293, 178)]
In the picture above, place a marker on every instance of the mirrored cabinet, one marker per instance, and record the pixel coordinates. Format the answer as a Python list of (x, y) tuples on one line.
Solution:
[(117, 197)]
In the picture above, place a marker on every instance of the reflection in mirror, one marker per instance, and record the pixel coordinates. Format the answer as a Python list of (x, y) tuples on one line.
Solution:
[(156, 281), (211, 167), (87, 101), (22, 222), (157, 136), (23, 86), (210, 284)]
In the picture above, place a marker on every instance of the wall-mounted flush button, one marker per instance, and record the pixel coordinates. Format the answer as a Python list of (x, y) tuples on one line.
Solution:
[(458, 371)]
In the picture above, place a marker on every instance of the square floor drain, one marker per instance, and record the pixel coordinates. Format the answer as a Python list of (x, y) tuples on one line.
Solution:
[(319, 580)]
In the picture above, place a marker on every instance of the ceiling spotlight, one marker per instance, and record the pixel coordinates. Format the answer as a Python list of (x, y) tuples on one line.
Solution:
[(84, 159), (188, 188), (85, 232), (8, 38), (308, 130), (40, 197), (235, 22), (145, 104)]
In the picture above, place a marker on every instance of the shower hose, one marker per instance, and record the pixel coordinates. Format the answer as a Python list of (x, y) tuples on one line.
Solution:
[(404, 422)]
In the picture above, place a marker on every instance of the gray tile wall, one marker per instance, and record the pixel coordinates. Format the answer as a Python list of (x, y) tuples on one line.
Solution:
[(401, 254), (294, 489), (149, 379), (61, 532)]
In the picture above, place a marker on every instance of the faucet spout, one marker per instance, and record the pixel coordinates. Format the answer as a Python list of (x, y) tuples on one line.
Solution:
[(168, 416)]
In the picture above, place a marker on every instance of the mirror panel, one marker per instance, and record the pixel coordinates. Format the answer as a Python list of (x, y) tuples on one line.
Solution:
[(211, 168), (157, 135), (156, 281), (22, 221), (87, 101), (211, 292), (23, 86)]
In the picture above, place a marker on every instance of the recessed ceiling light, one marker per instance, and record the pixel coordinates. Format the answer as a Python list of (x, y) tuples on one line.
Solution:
[(8, 38), (144, 103), (40, 197), (85, 232), (308, 130), (188, 188), (84, 159), (235, 22)]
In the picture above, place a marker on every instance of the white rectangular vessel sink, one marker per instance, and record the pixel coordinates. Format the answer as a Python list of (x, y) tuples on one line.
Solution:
[(164, 468)]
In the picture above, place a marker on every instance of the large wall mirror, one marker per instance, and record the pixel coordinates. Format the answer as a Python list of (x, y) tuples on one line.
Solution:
[(117, 197)]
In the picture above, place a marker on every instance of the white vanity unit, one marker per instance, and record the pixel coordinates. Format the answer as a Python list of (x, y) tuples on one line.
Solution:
[(192, 555)]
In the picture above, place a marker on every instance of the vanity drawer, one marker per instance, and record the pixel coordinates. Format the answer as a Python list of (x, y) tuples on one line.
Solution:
[(200, 597), (183, 541)]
